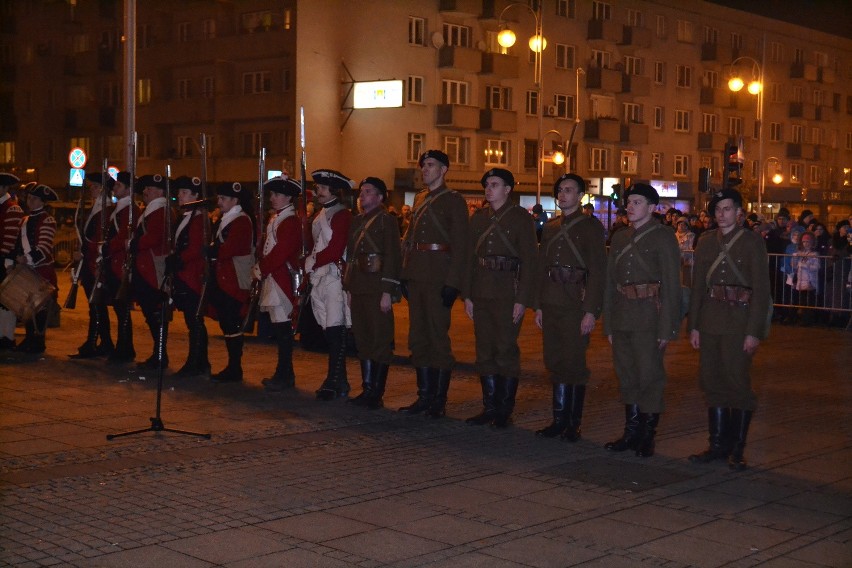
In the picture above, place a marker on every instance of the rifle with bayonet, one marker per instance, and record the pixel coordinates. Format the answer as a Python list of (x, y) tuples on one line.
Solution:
[(122, 295), (168, 239), (71, 299), (260, 229), (205, 275), (98, 293), (301, 284)]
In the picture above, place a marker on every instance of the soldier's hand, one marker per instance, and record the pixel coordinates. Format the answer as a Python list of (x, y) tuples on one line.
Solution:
[(518, 312), (386, 302), (468, 308), (449, 295), (587, 324), (661, 344), (256, 273), (539, 318), (750, 344), (695, 339)]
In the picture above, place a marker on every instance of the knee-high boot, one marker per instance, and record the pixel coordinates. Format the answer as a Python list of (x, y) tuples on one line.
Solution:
[(438, 408), (368, 369), (630, 439), (425, 391), (153, 362), (124, 351), (489, 401), (33, 341), (717, 424), (89, 348), (284, 376), (506, 401), (336, 384), (648, 427), (380, 380), (104, 331), (740, 421), (560, 414), (574, 411), (233, 372)]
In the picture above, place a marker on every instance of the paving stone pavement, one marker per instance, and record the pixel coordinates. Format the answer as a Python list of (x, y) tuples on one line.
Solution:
[(289, 481)]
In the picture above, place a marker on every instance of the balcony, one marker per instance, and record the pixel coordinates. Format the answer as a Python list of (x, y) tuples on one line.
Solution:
[(457, 116), (497, 120), (636, 37), (826, 75), (462, 58), (603, 129), (469, 8), (505, 66), (604, 79), (798, 150), (712, 141), (634, 133), (606, 30), (716, 52), (636, 85), (711, 96), (743, 101), (805, 71)]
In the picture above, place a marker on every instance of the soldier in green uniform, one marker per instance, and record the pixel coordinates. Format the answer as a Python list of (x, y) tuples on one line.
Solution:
[(570, 284), (372, 280), (729, 313), (432, 271), (642, 313), (499, 276)]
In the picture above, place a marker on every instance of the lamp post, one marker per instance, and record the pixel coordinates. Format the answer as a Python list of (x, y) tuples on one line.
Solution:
[(558, 157), (777, 177), (506, 38), (755, 87)]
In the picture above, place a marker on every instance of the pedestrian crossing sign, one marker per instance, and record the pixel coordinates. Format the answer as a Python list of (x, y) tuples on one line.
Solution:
[(76, 177)]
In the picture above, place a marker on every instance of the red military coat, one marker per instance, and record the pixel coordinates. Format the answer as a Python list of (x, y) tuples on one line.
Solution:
[(151, 242), (277, 260), (11, 215), (92, 239), (39, 230), (233, 243), (117, 231), (189, 243)]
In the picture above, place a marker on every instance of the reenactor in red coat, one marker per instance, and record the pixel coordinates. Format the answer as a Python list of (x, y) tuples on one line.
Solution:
[(151, 246), (90, 254), (35, 249), (186, 264), (279, 262), (10, 227), (231, 254)]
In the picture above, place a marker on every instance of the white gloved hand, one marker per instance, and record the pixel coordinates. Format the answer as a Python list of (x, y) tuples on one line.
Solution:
[(256, 273), (309, 264)]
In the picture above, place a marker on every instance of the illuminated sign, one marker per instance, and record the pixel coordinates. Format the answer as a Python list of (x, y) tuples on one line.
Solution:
[(665, 188), (75, 177), (606, 185), (378, 94)]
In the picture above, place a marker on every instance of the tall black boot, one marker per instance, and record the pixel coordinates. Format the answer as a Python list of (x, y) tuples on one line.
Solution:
[(574, 411), (438, 408), (648, 428), (336, 384), (425, 391), (189, 368), (153, 362), (489, 401), (284, 376), (380, 380), (368, 369), (33, 341), (104, 331), (233, 372), (124, 351), (506, 401), (630, 439), (718, 425), (560, 415), (740, 421), (89, 348)]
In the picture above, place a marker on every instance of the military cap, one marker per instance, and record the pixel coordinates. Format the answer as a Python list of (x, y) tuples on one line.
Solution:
[(230, 189), (151, 180), (378, 183), (501, 173), (7, 179), (284, 185), (645, 191), (124, 177), (44, 193), (332, 178), (732, 194), (435, 155), (95, 177), (581, 183), (193, 184)]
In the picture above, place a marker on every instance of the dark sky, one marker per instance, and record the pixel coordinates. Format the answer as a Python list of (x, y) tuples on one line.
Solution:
[(830, 16)]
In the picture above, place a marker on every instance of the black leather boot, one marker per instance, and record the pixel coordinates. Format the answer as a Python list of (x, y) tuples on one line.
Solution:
[(508, 390), (153, 362), (124, 351), (489, 401), (89, 348), (104, 332), (425, 391), (560, 416), (630, 439), (233, 372), (368, 369), (336, 384), (438, 408), (719, 445), (284, 376), (648, 428), (574, 411), (380, 380), (33, 341), (740, 421)]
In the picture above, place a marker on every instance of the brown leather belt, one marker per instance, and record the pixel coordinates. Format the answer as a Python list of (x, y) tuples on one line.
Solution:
[(731, 294), (499, 263), (566, 274), (639, 291), (441, 247), (369, 262)]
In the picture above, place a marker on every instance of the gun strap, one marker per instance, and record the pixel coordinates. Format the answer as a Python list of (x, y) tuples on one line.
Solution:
[(633, 242), (723, 254), (495, 226), (563, 235)]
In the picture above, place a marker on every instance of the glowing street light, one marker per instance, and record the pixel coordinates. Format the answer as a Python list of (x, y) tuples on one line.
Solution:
[(755, 87), (777, 177)]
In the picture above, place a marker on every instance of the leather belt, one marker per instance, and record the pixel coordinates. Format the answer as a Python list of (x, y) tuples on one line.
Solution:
[(441, 247), (566, 274), (731, 294), (639, 291), (499, 263)]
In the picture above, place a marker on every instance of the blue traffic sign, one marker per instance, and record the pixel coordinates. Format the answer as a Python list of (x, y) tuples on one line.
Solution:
[(75, 178), (77, 157)]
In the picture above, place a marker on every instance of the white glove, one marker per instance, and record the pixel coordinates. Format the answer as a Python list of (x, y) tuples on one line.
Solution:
[(309, 264), (255, 272), (8, 263)]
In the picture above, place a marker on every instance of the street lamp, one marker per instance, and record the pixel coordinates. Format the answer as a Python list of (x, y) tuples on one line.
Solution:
[(506, 38), (755, 87), (777, 177), (558, 157)]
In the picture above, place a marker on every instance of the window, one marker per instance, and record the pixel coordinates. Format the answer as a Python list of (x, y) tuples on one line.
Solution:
[(661, 27), (531, 105), (798, 55), (257, 82), (632, 65), (735, 126), (819, 97), (656, 164), (564, 105), (633, 113), (416, 31), (252, 142), (499, 98), (736, 41), (684, 76), (80, 43), (815, 176), (285, 79), (564, 56), (710, 122), (776, 52), (256, 21), (496, 152), (755, 133), (795, 173), (81, 142), (184, 32), (458, 149), (775, 92), (416, 145), (601, 59), (659, 72), (208, 28), (599, 159), (454, 92), (414, 93), (634, 18), (601, 11), (184, 146), (288, 23), (681, 121), (79, 95), (208, 87), (775, 132), (566, 8), (183, 89), (658, 118), (684, 31), (7, 152), (849, 140), (711, 35), (797, 94), (797, 135), (821, 59), (710, 79), (143, 91), (143, 145), (456, 35), (629, 162), (681, 165), (817, 136)]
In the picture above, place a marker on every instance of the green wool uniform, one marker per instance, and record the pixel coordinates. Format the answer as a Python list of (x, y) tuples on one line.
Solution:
[(571, 272), (730, 299), (433, 257), (642, 304), (500, 272), (374, 261)]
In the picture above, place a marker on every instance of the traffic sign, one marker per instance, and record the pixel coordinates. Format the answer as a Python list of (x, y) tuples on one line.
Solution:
[(113, 172), (77, 157), (75, 178)]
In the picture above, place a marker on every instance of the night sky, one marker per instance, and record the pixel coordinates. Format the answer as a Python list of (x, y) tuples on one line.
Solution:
[(830, 16)]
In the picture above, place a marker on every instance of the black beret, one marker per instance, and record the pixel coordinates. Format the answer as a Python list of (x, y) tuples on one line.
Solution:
[(284, 185), (645, 191), (193, 184), (44, 192), (124, 177), (581, 183), (95, 177), (9, 179), (501, 173), (151, 180), (230, 189), (732, 194), (332, 178), (435, 155), (378, 183)]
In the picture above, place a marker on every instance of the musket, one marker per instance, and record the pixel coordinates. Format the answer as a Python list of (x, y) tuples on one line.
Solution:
[(260, 229), (302, 291), (96, 297), (205, 231), (166, 285), (123, 292), (71, 299)]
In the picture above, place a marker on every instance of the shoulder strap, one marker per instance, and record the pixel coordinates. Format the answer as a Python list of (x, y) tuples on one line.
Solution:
[(633, 242), (495, 226), (723, 254), (563, 234)]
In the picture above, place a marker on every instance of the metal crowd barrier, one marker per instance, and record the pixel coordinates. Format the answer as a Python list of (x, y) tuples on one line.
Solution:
[(830, 287)]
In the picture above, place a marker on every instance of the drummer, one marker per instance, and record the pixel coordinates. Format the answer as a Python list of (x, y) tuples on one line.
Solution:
[(35, 249), (10, 226)]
